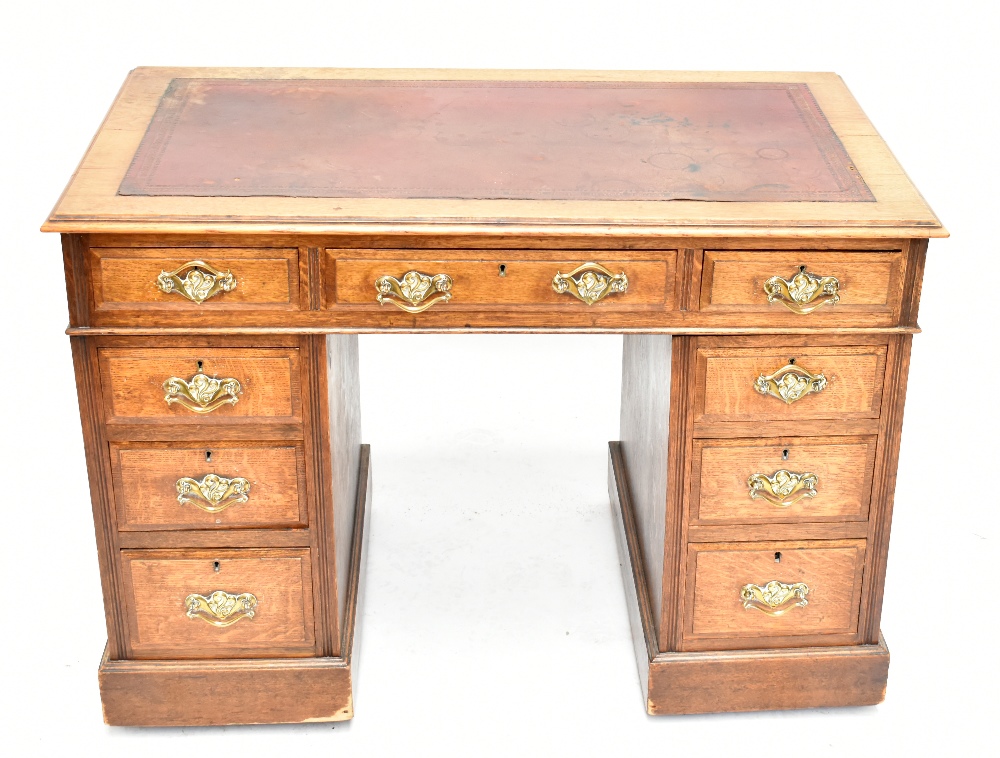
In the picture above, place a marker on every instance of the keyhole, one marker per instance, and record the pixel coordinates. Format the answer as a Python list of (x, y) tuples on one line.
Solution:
[(217, 566), (791, 361), (802, 269), (784, 455), (208, 456), (503, 269), (200, 364), (777, 558)]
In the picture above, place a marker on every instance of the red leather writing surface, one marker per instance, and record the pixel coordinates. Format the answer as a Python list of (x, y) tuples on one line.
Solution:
[(520, 140)]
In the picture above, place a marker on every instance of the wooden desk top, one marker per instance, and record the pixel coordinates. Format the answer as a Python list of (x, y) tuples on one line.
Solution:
[(466, 152)]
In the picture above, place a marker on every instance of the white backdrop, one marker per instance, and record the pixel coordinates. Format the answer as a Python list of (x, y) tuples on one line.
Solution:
[(495, 619)]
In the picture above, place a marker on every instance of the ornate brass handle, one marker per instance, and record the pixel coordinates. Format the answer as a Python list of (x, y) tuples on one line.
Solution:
[(213, 493), (774, 598), (201, 394), (804, 292), (202, 281), (415, 292), (221, 608), (590, 282), (783, 488), (790, 383)]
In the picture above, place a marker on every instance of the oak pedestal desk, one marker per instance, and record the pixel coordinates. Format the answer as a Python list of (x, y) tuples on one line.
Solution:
[(230, 232)]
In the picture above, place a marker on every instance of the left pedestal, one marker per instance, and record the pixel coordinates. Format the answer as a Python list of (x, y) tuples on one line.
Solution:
[(230, 494)]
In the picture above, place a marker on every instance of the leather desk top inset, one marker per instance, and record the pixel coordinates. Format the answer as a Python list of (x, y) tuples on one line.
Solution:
[(529, 140)]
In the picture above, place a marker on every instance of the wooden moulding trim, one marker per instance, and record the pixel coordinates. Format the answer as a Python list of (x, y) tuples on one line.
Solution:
[(883, 495), (621, 499), (244, 691), (211, 225), (101, 493), (640, 614), (313, 351), (139, 331), (77, 293)]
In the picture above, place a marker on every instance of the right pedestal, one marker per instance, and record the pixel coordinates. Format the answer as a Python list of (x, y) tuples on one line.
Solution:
[(752, 489)]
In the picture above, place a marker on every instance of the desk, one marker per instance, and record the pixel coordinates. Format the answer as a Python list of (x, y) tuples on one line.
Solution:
[(230, 232)]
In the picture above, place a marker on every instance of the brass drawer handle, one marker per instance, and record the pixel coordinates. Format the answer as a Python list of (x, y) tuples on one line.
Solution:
[(415, 292), (221, 608), (804, 292), (213, 493), (594, 282), (202, 281), (783, 488), (774, 598), (790, 383), (201, 394)]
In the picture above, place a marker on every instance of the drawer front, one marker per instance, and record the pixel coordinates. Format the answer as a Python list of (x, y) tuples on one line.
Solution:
[(732, 603), (213, 485), (219, 604), (196, 384), (786, 480), (162, 279), (787, 383), (818, 285), (478, 282)]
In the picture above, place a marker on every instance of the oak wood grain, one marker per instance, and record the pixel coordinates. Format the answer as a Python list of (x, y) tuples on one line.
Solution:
[(720, 469), (524, 282), (716, 618), (225, 692), (682, 393), (125, 278), (133, 383), (733, 282), (766, 680), (883, 495), (726, 379), (283, 690), (91, 400), (734, 680), (158, 581), (645, 422), (146, 475), (343, 387), (637, 595)]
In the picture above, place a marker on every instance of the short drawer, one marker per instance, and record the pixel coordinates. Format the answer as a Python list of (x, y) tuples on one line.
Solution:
[(785, 383), (195, 279), (515, 281), (204, 385), (746, 595), (804, 286), (783, 480), (219, 604), (211, 485)]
